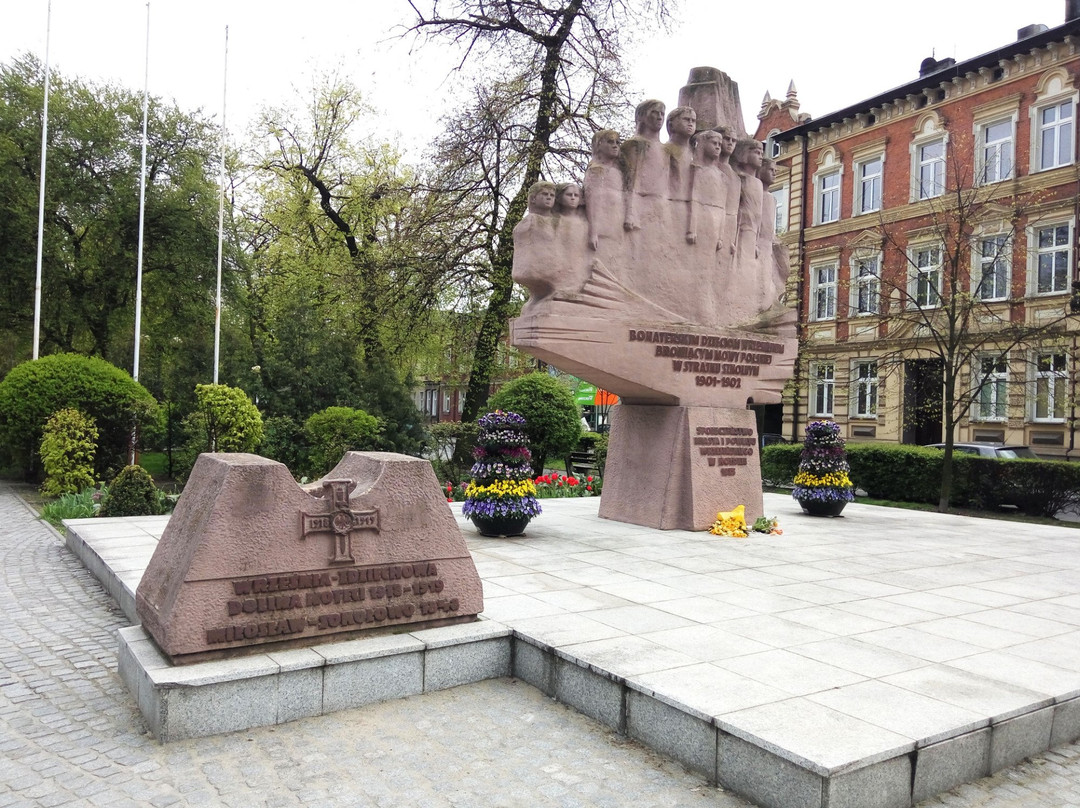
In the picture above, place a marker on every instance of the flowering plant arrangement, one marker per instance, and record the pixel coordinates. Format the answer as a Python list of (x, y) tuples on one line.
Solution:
[(733, 523), (823, 467), (502, 484), (553, 485)]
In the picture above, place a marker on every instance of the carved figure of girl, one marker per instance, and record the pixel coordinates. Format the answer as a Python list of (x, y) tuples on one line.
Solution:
[(604, 201), (535, 242), (744, 291), (572, 253), (730, 231)]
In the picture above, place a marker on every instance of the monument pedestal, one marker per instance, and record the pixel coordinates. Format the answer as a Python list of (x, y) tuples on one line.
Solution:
[(675, 467)]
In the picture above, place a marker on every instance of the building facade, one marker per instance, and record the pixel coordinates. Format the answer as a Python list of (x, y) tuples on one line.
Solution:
[(933, 239)]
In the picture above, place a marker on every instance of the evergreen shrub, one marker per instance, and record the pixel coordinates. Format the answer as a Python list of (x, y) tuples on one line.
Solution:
[(32, 391), (552, 419), (132, 493), (780, 463), (446, 438), (284, 441), (1036, 487), (68, 446), (336, 430), (896, 472)]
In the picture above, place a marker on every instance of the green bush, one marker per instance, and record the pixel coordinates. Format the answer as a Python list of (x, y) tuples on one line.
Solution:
[(337, 430), (1036, 487), (552, 419), (132, 493), (284, 441), (33, 391), (68, 446), (445, 438), (780, 463), (896, 471)]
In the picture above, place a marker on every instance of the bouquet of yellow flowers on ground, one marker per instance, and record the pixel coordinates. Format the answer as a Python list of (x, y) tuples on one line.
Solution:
[(733, 523)]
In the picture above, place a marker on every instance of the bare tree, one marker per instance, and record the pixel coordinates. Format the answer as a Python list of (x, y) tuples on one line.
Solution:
[(946, 290), (561, 69)]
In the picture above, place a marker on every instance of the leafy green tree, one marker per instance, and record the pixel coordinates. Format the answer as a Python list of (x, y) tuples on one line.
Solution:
[(31, 392), (552, 419), (91, 219)]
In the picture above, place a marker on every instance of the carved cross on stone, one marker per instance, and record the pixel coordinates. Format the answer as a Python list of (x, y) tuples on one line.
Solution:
[(341, 521)]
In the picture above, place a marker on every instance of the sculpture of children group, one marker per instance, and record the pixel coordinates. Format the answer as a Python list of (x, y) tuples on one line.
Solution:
[(687, 224)]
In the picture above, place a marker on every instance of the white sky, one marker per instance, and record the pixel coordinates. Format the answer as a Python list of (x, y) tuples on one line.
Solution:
[(837, 51)]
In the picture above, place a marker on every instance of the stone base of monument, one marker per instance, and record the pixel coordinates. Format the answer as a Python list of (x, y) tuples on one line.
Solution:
[(250, 559), (210, 698), (674, 468)]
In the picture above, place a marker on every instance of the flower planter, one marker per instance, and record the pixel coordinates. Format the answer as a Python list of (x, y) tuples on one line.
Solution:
[(505, 526), (816, 507)]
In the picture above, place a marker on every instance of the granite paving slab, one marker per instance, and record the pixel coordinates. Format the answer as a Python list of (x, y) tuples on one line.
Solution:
[(839, 649)]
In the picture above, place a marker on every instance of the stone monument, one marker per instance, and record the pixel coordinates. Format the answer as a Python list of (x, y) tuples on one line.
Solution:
[(250, 558), (673, 299)]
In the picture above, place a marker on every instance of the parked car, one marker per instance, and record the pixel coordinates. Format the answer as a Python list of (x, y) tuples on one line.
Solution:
[(999, 450)]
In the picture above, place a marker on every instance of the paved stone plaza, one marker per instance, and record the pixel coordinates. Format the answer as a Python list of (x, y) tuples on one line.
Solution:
[(71, 735)]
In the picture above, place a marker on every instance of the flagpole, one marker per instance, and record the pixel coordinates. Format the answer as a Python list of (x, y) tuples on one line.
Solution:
[(41, 188), (142, 202), (221, 210)]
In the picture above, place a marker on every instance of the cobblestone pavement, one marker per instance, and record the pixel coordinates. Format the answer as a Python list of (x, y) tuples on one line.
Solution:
[(70, 734)]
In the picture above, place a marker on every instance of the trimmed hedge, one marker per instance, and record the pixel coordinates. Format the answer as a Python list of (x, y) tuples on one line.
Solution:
[(33, 391), (904, 473), (780, 463), (896, 471)]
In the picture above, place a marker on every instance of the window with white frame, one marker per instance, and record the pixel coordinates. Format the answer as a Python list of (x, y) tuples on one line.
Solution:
[(781, 197), (865, 284), (991, 383), (995, 159), (924, 288), (864, 385), (823, 291), (868, 175), (1051, 387), (822, 387), (828, 197), (1054, 135), (994, 261), (930, 168), (772, 147), (1053, 257)]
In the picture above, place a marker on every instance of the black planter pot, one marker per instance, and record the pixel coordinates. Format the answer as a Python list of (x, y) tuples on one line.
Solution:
[(816, 507), (500, 525)]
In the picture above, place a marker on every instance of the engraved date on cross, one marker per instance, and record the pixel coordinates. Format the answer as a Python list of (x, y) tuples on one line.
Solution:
[(341, 521)]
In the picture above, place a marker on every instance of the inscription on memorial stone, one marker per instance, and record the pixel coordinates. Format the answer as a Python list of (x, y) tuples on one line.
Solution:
[(244, 559)]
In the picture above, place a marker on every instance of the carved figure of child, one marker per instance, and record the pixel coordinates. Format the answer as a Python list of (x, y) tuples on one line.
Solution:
[(730, 230), (535, 244), (572, 253)]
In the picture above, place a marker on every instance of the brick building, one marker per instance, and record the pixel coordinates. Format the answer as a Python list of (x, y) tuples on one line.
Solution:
[(933, 240)]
